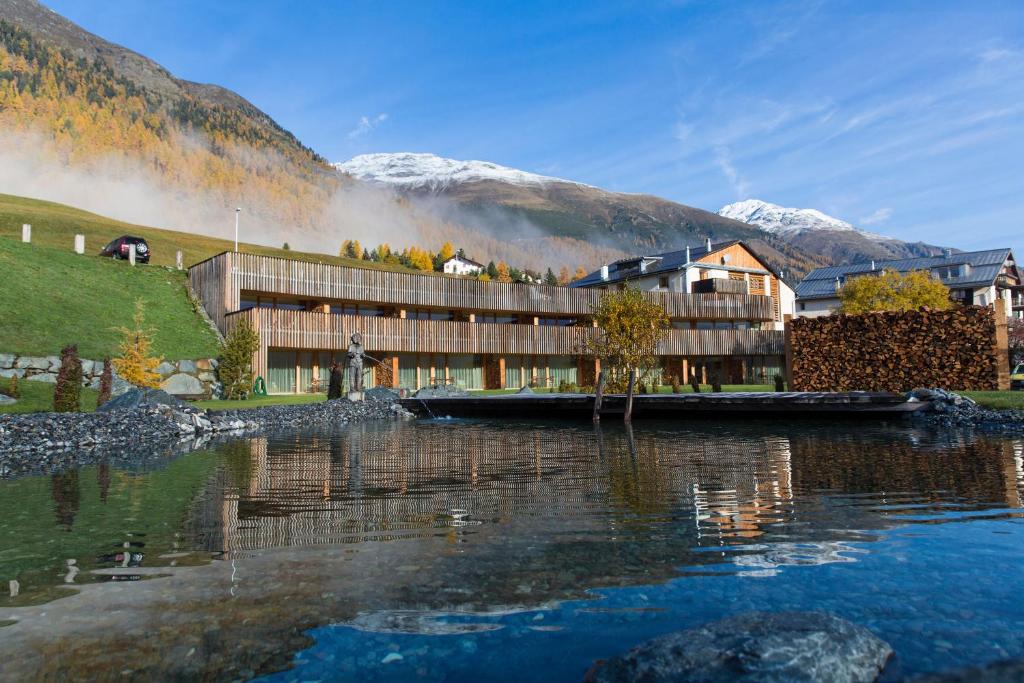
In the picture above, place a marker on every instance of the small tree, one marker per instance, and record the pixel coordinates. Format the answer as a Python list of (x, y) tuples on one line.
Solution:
[(12, 387), (286, 247), (630, 327), (504, 274), (894, 292), (106, 383), (236, 352), (135, 364), (67, 392)]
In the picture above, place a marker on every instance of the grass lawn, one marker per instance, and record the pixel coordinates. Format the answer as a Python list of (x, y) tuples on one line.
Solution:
[(999, 400), (55, 225), (37, 397), (259, 401), (52, 297)]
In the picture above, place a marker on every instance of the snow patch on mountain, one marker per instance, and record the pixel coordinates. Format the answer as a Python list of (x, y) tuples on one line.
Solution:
[(412, 170), (780, 220), (785, 221)]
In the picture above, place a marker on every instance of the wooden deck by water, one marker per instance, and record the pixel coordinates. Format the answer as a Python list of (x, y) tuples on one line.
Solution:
[(666, 406)]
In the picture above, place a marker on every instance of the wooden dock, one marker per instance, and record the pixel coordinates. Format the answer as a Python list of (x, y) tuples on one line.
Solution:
[(851, 404)]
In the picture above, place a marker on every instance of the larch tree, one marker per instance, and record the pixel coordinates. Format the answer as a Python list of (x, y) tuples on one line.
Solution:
[(504, 274), (580, 274), (447, 251), (563, 276), (135, 365), (893, 291)]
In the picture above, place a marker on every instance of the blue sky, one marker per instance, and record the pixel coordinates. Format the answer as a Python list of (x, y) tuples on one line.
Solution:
[(906, 118)]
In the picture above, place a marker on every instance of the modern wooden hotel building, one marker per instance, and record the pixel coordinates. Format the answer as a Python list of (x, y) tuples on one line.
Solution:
[(431, 329)]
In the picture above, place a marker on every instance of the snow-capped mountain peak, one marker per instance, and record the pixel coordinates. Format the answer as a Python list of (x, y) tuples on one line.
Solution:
[(780, 220), (412, 170)]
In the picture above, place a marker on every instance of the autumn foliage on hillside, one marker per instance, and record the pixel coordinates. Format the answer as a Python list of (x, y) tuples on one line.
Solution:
[(86, 111), (85, 114)]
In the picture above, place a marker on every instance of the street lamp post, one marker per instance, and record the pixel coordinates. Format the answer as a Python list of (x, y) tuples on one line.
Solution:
[(237, 212)]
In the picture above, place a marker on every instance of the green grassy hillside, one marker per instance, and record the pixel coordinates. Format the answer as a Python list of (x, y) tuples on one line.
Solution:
[(51, 297), (55, 225)]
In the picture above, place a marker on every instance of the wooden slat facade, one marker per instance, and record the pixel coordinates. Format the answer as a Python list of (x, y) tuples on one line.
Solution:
[(220, 280), (300, 330)]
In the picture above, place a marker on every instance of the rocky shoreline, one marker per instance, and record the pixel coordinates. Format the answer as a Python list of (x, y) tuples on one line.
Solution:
[(144, 425), (950, 410)]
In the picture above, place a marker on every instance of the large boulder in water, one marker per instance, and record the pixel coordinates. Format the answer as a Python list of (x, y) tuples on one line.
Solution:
[(136, 398), (757, 646)]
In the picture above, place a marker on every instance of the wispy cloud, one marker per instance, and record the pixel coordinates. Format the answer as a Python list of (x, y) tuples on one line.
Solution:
[(877, 216), (995, 54), (366, 124), (739, 184)]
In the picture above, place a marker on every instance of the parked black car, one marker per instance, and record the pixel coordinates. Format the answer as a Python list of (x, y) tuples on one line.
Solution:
[(118, 249)]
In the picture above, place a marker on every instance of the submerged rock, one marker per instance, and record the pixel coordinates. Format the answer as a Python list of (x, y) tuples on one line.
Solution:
[(757, 646), (1005, 671)]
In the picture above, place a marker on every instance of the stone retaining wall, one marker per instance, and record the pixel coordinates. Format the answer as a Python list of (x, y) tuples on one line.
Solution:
[(191, 378)]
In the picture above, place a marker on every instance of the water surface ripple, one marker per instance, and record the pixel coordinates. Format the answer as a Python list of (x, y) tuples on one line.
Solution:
[(468, 550)]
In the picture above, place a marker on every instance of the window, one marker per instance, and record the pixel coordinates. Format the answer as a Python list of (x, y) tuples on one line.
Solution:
[(803, 306), (723, 325), (496, 319), (742, 325), (356, 309), (663, 282), (680, 324), (246, 304), (705, 325)]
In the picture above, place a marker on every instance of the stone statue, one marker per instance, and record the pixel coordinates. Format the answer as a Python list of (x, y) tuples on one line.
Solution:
[(355, 364)]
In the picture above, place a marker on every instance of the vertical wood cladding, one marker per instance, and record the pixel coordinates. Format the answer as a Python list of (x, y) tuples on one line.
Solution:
[(219, 280)]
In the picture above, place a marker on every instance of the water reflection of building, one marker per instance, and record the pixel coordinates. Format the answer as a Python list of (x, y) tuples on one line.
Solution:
[(385, 483)]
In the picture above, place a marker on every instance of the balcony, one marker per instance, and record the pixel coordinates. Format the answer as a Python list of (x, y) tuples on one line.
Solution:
[(315, 330)]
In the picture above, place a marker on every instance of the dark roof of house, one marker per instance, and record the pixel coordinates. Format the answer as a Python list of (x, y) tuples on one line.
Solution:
[(466, 260), (629, 268), (985, 267)]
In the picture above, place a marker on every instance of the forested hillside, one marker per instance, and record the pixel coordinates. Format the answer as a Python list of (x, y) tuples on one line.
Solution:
[(85, 111)]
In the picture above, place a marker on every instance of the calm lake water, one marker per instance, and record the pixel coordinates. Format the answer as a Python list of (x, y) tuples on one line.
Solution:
[(450, 550)]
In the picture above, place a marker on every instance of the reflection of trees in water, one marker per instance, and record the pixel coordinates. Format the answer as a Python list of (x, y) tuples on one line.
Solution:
[(67, 495)]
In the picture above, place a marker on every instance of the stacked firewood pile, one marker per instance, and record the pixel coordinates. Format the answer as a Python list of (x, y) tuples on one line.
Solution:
[(896, 351)]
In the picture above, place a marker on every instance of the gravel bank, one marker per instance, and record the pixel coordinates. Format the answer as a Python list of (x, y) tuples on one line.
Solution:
[(953, 411), (145, 426)]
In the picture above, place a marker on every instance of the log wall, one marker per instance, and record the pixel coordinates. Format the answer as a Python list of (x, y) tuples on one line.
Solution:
[(960, 349)]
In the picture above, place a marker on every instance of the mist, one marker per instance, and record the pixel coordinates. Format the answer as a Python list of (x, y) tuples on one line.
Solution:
[(331, 209)]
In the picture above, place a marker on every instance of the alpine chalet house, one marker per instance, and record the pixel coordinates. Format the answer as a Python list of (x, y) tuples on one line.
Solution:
[(435, 329), (981, 278), (460, 265), (724, 268)]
